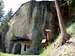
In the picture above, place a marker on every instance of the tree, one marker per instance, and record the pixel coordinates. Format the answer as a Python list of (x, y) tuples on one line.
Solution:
[(8, 15), (1, 9), (64, 35), (5, 20), (4, 28), (71, 3)]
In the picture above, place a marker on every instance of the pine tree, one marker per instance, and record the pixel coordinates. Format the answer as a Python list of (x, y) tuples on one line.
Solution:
[(8, 15), (1, 9)]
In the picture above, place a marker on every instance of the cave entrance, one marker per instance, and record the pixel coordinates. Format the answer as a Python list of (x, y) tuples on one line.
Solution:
[(21, 45), (17, 49), (20, 48)]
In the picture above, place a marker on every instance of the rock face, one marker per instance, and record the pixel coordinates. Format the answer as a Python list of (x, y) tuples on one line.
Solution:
[(3, 31), (31, 19)]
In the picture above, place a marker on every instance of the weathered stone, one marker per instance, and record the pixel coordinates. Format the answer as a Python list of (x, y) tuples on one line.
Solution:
[(31, 19)]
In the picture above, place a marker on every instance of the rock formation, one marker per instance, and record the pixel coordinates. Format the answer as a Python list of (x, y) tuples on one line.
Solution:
[(31, 19), (29, 22)]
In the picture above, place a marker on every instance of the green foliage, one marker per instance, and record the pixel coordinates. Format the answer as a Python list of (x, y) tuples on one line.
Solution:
[(71, 3), (45, 51), (1, 9), (71, 27), (8, 16), (4, 22)]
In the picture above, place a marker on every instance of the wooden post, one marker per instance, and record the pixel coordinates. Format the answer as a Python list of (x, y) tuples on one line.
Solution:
[(60, 18), (64, 35)]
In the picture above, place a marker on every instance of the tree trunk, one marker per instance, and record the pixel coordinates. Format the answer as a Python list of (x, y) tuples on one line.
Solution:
[(64, 35)]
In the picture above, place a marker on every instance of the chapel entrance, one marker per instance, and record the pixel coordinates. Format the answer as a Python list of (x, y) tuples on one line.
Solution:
[(17, 49), (21, 45)]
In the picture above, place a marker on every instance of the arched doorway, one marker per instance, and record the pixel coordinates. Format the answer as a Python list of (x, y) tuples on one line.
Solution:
[(17, 49)]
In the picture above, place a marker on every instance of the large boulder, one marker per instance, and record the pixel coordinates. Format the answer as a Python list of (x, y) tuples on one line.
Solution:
[(31, 19)]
